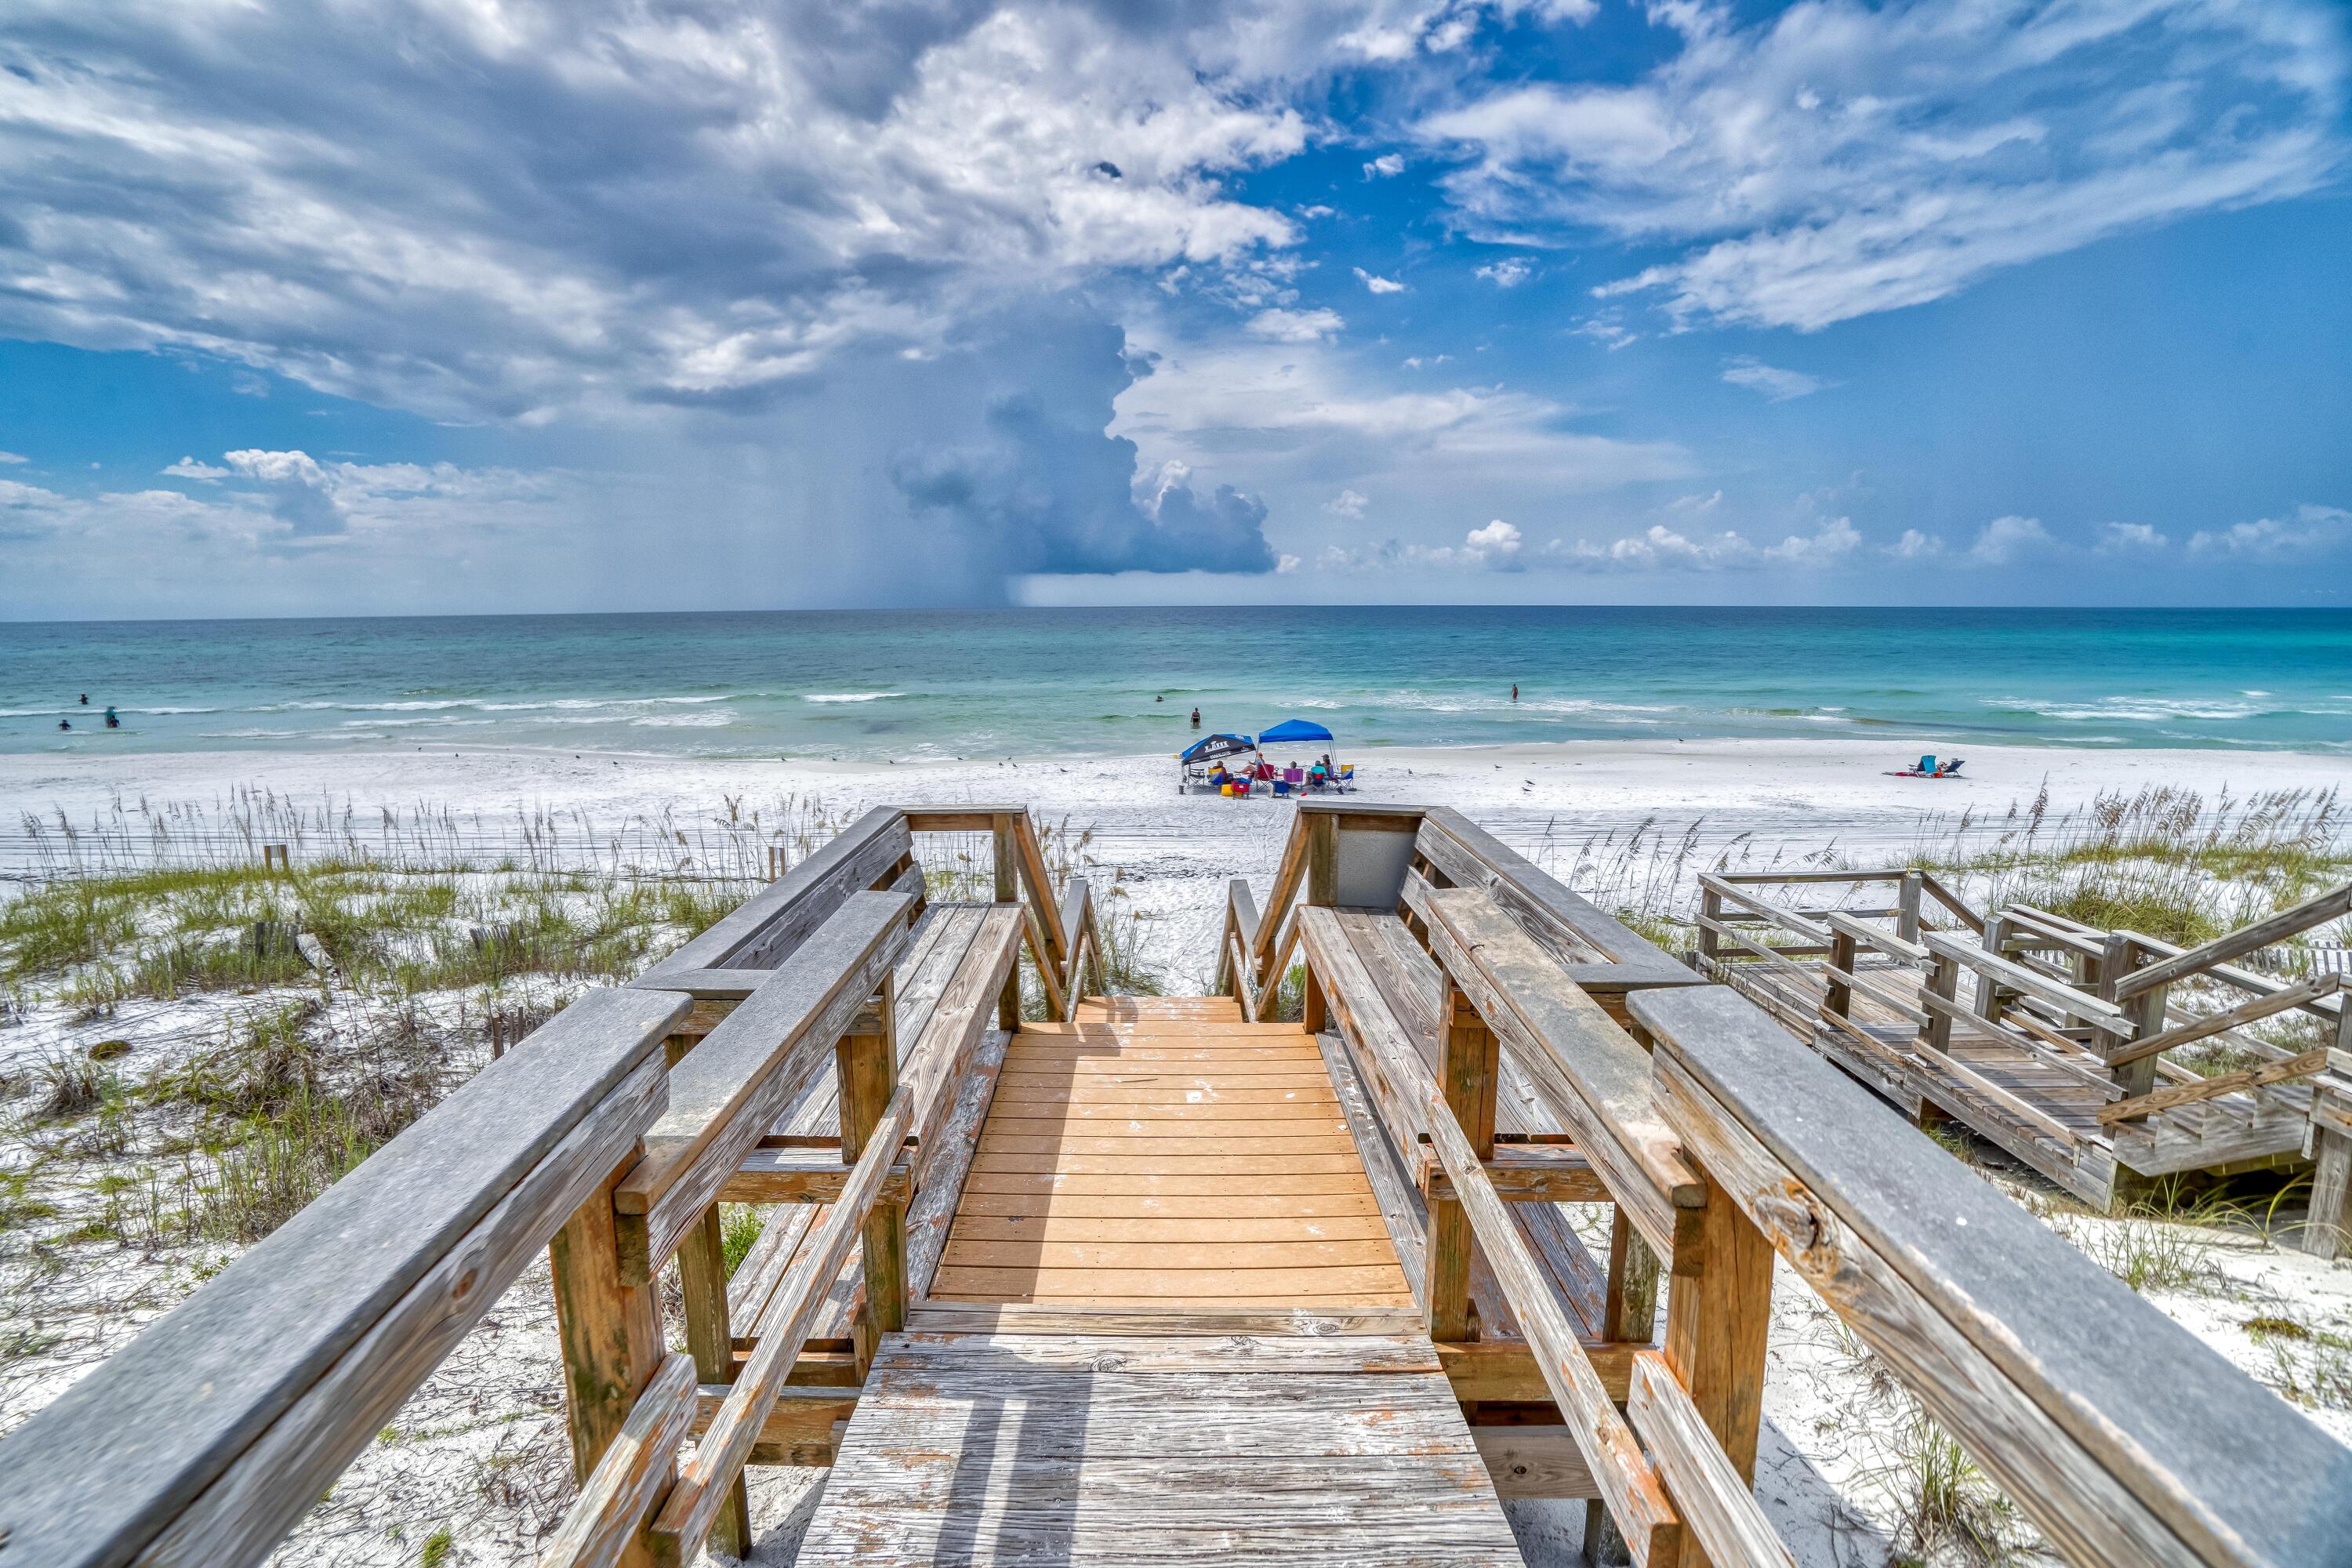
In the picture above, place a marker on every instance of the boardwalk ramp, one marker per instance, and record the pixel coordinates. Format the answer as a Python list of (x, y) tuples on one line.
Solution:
[(1169, 1326)]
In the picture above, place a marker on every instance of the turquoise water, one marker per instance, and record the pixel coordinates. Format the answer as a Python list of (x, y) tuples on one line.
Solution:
[(979, 683)]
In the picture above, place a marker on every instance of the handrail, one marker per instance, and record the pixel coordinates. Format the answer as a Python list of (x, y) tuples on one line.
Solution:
[(2100, 1014), (2246, 939), (249, 1397), (2123, 1437)]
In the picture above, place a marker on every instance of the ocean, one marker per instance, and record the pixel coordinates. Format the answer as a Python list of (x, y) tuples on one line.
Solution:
[(925, 684)]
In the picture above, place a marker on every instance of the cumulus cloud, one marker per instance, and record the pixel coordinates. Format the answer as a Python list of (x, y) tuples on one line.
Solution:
[(1508, 273), (1660, 548), (1285, 326), (2129, 538), (1916, 546), (1384, 166), (12, 458), (2312, 531), (1502, 547), (1347, 504), (1836, 159), (1492, 548), (600, 202), (2008, 539), (1777, 384), (189, 468), (1377, 284)]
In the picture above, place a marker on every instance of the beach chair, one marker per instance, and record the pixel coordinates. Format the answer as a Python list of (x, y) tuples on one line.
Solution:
[(1294, 776), (1281, 786)]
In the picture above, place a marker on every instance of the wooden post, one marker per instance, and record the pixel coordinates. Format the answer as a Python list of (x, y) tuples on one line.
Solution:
[(1996, 931), (2329, 1232), (1472, 1067), (1906, 906), (2145, 1013), (1008, 891), (1322, 860), (277, 854), (1843, 951), (866, 1065), (775, 862), (1718, 1318), (1629, 1311), (610, 1332), (702, 1282), (1710, 946), (1943, 980), (1314, 1011)]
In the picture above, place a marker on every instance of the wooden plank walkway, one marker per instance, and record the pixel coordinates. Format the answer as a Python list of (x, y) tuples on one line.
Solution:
[(1080, 1449), (1190, 1341), (1174, 1158)]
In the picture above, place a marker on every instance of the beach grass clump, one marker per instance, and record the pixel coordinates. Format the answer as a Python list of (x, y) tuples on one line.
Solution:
[(2163, 861), (172, 932), (1948, 1506)]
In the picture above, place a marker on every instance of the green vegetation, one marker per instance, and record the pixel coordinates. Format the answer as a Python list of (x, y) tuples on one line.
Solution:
[(2164, 862), (739, 1228), (173, 933), (437, 1548)]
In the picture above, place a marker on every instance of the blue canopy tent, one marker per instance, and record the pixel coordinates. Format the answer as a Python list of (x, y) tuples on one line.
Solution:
[(1303, 732)]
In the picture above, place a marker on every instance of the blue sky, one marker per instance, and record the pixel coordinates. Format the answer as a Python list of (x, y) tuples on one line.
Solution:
[(456, 305)]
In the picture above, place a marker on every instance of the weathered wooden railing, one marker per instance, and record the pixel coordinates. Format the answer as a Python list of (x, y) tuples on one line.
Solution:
[(2122, 1437), (608, 1138)]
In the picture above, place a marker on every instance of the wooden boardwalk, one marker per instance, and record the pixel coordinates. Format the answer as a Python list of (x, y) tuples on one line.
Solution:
[(1177, 1157), (1188, 1448), (1160, 1188)]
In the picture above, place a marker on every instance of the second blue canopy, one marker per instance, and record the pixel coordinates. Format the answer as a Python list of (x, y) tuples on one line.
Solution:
[(1293, 731)]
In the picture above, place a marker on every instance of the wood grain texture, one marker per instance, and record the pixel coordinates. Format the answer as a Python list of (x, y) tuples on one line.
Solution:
[(1211, 1449), (287, 1336), (602, 1524), (758, 1060), (1717, 1502), (2118, 1431), (759, 933), (1191, 1189)]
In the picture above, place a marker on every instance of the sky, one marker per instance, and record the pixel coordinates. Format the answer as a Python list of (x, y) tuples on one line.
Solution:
[(457, 306)]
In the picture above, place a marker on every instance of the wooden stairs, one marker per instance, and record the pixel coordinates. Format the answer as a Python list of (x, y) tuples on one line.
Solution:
[(1169, 1326)]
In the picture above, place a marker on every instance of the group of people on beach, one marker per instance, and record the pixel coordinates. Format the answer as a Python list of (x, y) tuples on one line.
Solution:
[(112, 720)]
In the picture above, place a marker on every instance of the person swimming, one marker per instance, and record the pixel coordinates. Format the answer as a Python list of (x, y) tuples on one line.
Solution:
[(65, 723), (111, 722)]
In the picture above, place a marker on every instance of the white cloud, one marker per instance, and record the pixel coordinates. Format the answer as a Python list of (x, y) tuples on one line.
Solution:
[(12, 458), (2129, 538), (1661, 549), (464, 230), (1837, 159), (1508, 273), (1778, 385), (1347, 504), (189, 468), (1317, 210), (1916, 546), (2312, 532), (1416, 361), (1494, 548), (1377, 284), (1384, 166), (2007, 539), (1283, 326), (1285, 565)]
